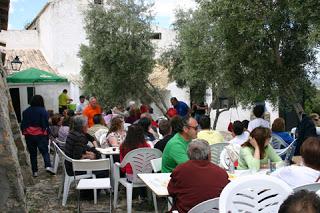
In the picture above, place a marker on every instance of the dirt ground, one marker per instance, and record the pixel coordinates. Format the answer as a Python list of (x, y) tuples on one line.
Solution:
[(43, 197)]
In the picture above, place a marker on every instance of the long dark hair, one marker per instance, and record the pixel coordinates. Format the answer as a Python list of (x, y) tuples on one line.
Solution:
[(260, 134), (134, 137), (37, 101)]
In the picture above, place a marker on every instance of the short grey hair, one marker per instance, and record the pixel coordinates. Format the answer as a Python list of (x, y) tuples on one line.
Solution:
[(79, 121), (199, 149)]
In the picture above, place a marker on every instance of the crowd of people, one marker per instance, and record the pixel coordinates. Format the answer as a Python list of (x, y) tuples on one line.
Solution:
[(183, 139)]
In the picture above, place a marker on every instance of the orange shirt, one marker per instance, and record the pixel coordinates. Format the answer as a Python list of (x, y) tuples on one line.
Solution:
[(89, 112)]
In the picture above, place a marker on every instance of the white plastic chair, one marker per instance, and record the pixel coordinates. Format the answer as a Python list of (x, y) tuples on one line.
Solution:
[(216, 150), (139, 159), (103, 141), (57, 160), (100, 132), (293, 132), (287, 152), (277, 142), (208, 206), (66, 179), (156, 164), (255, 193), (313, 187), (99, 183)]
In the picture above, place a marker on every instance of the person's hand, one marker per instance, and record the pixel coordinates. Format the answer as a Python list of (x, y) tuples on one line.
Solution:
[(95, 144), (253, 142)]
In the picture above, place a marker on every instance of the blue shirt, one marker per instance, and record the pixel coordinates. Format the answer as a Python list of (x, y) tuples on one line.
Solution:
[(285, 136), (182, 108)]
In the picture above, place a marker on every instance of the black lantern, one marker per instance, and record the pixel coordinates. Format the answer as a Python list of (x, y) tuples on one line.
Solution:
[(16, 64)]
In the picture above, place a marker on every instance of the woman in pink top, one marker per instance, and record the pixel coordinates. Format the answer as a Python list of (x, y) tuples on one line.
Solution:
[(116, 134), (134, 140)]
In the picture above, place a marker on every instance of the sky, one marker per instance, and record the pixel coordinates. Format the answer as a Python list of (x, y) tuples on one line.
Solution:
[(23, 12)]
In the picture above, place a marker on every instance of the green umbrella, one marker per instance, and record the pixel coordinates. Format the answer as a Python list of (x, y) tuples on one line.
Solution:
[(33, 75)]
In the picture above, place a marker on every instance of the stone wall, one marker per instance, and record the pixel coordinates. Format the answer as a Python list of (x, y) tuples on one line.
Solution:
[(14, 162)]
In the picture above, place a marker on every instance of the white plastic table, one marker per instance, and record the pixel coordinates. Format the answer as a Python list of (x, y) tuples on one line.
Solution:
[(157, 182)]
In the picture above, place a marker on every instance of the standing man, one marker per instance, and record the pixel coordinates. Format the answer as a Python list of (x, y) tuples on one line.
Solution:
[(81, 105), (92, 109), (175, 152), (64, 100), (181, 107)]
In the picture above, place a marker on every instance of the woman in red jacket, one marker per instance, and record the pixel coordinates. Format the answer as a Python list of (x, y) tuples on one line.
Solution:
[(134, 140)]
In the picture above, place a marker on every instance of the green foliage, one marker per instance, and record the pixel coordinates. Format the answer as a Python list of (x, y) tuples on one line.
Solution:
[(119, 57), (269, 45)]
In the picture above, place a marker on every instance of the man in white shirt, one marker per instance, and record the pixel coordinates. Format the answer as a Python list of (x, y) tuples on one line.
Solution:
[(298, 175), (258, 121), (240, 136), (81, 105)]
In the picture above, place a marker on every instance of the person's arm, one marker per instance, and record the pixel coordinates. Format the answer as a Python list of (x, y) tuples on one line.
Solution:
[(272, 155), (112, 140), (252, 161), (173, 187)]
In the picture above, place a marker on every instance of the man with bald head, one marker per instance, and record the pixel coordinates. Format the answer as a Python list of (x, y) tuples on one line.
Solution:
[(175, 151), (91, 110)]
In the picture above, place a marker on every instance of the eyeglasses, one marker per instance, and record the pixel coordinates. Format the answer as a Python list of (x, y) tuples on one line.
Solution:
[(194, 127)]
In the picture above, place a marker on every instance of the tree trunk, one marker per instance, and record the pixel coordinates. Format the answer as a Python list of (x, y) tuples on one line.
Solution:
[(12, 152), (158, 101)]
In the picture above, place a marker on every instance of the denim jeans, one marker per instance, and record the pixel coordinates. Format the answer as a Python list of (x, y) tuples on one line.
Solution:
[(40, 142)]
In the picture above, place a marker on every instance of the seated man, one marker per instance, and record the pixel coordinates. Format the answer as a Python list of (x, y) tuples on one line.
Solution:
[(175, 151), (206, 133), (301, 201), (295, 175), (98, 124), (240, 136), (197, 180), (165, 130)]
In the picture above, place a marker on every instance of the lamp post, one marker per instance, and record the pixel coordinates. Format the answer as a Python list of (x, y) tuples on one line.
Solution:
[(16, 64)]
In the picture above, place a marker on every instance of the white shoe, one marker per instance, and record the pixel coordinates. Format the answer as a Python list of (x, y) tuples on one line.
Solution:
[(50, 170), (35, 174)]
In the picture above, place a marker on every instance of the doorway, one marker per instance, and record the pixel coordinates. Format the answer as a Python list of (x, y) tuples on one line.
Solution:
[(15, 96)]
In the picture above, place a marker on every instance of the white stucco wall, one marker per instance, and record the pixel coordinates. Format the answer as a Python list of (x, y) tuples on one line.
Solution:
[(20, 39), (167, 40), (49, 92), (61, 33)]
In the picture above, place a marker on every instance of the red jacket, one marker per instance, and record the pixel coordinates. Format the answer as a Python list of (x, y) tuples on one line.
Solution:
[(194, 182)]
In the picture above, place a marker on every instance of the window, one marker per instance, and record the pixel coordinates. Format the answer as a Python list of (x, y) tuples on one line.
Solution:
[(98, 1), (156, 36), (30, 93)]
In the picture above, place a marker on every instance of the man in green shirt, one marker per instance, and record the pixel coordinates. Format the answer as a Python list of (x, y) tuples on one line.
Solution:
[(175, 152), (64, 100)]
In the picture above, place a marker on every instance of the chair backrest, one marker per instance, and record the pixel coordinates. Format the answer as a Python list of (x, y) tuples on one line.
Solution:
[(208, 206), (99, 132), (91, 165), (277, 142), (216, 150), (139, 160), (313, 187), (225, 161), (61, 154), (293, 132), (255, 193), (156, 164), (290, 151), (103, 140)]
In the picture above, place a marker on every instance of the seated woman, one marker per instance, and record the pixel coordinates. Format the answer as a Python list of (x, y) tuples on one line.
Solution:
[(64, 129), (56, 122), (296, 175), (76, 144), (278, 128), (116, 133), (255, 153), (134, 140), (145, 123)]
